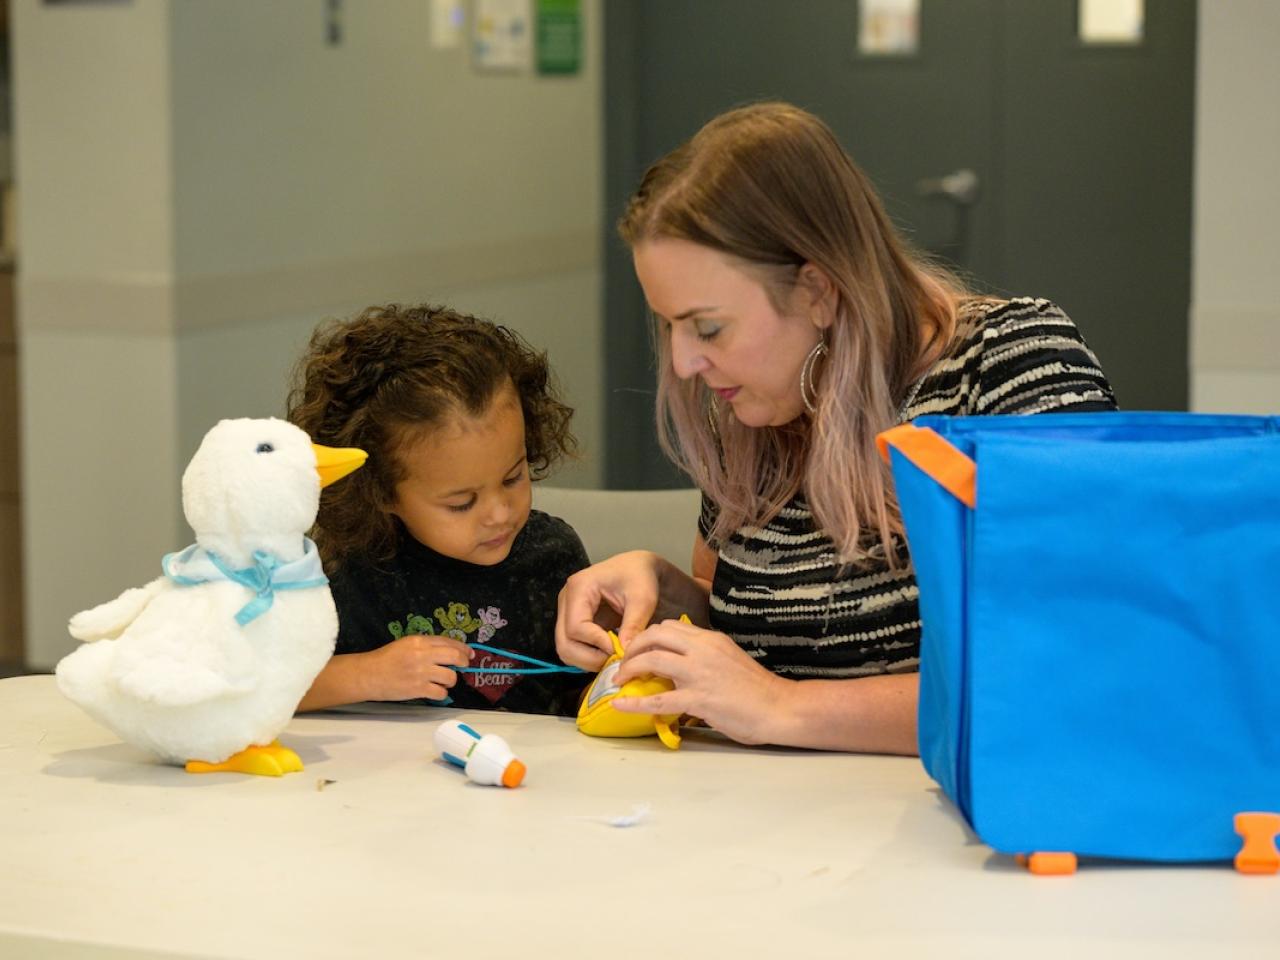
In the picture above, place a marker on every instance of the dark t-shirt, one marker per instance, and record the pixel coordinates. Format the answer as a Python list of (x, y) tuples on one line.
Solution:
[(511, 606)]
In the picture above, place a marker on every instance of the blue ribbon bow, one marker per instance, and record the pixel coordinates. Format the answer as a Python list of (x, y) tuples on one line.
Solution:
[(196, 565)]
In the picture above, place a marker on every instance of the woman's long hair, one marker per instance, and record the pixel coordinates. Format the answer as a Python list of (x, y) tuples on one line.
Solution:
[(769, 185)]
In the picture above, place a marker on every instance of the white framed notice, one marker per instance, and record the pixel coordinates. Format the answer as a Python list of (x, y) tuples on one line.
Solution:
[(448, 18), (502, 35), (888, 28), (1111, 21)]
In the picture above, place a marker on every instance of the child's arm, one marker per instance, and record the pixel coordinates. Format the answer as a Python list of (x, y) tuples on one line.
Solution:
[(404, 669)]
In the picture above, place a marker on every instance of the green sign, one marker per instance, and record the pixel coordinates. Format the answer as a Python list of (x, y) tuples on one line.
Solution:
[(559, 36)]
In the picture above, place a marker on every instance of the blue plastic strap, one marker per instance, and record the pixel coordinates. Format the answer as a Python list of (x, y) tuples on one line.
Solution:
[(540, 666)]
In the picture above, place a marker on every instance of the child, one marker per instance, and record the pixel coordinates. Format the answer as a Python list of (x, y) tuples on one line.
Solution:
[(434, 545)]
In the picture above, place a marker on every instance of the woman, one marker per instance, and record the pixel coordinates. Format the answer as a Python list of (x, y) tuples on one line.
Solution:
[(793, 325)]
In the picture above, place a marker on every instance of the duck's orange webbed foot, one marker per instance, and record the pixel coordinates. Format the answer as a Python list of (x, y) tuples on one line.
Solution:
[(272, 760)]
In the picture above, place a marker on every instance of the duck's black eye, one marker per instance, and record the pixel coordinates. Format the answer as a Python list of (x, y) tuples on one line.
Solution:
[(265, 448)]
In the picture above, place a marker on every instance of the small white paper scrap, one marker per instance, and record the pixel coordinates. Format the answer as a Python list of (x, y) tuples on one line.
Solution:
[(639, 813)]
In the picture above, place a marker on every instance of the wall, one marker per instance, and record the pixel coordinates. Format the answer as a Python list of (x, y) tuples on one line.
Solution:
[(201, 182), (10, 488), (316, 179), (1235, 312), (97, 362)]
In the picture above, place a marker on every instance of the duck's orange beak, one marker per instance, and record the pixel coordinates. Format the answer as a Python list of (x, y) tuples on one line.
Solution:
[(334, 463)]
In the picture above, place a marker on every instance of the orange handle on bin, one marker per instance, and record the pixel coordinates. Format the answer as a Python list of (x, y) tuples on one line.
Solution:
[(952, 470)]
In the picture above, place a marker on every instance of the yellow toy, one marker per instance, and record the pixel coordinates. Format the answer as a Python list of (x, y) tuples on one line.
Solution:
[(598, 718)]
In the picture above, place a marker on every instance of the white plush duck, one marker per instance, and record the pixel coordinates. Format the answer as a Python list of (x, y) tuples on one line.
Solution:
[(206, 664)]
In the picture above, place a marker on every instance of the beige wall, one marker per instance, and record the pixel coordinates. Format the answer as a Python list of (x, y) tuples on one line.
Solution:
[(201, 182), (329, 178), (1235, 310), (92, 132), (11, 628)]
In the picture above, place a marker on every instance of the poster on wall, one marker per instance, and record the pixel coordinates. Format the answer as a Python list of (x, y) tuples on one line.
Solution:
[(559, 34), (501, 35), (1118, 22), (888, 28), (448, 18)]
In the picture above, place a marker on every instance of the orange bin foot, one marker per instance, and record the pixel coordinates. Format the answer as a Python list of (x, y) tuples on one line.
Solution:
[(1049, 864), (1258, 854)]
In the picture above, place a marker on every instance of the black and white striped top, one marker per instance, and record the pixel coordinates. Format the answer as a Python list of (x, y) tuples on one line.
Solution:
[(778, 591)]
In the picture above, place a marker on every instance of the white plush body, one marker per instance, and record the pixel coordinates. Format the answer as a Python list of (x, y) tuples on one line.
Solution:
[(170, 669), (187, 682)]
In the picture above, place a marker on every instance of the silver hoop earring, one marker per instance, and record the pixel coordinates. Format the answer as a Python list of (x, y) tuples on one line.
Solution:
[(807, 386)]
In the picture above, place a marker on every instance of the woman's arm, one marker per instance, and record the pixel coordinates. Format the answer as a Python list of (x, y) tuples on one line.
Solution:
[(719, 683), (867, 715), (704, 571), (681, 594)]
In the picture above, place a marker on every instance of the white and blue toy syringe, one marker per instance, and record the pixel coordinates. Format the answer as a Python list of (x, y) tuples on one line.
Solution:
[(486, 759)]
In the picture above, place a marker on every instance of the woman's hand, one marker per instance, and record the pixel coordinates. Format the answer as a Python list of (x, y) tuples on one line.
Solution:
[(619, 594), (715, 681), (413, 666)]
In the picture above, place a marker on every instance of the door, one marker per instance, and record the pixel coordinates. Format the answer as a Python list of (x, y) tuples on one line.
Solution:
[(1034, 164)]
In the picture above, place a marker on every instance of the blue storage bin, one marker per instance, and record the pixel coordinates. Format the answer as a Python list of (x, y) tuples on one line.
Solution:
[(1100, 659)]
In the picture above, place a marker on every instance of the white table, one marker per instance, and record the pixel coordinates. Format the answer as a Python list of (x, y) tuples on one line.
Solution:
[(379, 850)]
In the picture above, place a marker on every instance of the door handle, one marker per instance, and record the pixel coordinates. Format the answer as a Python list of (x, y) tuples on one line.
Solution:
[(960, 187)]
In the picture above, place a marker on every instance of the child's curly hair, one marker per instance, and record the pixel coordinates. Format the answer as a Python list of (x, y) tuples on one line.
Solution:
[(383, 378)]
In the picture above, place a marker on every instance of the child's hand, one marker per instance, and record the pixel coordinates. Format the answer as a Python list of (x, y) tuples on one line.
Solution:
[(415, 666)]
